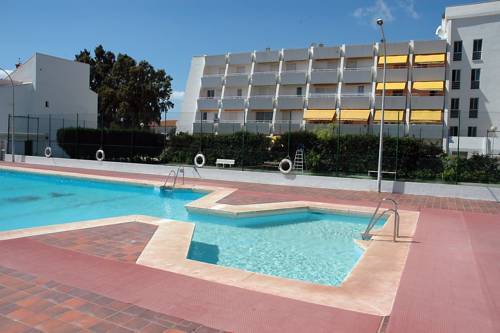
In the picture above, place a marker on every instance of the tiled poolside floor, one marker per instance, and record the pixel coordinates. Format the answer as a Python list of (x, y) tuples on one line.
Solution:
[(449, 283)]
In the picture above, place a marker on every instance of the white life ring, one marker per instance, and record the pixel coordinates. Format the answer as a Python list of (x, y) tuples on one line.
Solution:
[(199, 164), (284, 162), (48, 152), (99, 155)]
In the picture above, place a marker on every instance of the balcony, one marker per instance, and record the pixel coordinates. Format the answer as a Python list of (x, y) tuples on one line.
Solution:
[(392, 74), (455, 85), (211, 81), (208, 103), (428, 73), (426, 131), (454, 113), (283, 126), (295, 54), (264, 78), (229, 127), (259, 127), (216, 60), (203, 127), (357, 75), (427, 102), (264, 102), (267, 56), (319, 76), (355, 101), (240, 58), (290, 102), (293, 77), (233, 103), (429, 47), (323, 52), (359, 51), (322, 101), (237, 79), (457, 56), (391, 102)]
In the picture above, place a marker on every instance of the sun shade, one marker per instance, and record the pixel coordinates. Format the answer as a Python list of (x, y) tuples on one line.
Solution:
[(395, 59), (429, 85), (430, 58), (354, 115), (426, 116), (319, 115), (391, 85), (389, 115)]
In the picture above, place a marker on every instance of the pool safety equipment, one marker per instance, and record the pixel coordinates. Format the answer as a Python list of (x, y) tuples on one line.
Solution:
[(199, 160), (285, 166), (48, 152), (99, 155)]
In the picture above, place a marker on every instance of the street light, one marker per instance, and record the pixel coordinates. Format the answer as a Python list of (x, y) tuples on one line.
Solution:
[(380, 23), (13, 109)]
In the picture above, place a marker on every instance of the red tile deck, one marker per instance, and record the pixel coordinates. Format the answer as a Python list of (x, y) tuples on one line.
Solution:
[(124, 241), (450, 281)]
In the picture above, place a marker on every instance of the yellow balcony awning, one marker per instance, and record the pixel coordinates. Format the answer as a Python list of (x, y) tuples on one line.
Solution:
[(354, 115), (319, 115), (393, 60), (391, 85), (426, 116), (390, 115), (429, 85), (430, 58)]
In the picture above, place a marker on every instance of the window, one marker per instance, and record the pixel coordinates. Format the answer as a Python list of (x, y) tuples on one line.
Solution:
[(472, 131), (239, 92), (454, 107), (210, 93), (291, 66), (331, 65), (46, 104), (361, 90), (455, 79), (477, 49), (453, 130), (475, 73), (299, 91), (264, 116), (204, 115), (240, 69), (457, 50), (473, 107), (351, 64)]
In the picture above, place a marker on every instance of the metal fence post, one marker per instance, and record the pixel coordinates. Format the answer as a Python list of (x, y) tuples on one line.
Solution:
[(8, 135), (338, 144), (77, 138)]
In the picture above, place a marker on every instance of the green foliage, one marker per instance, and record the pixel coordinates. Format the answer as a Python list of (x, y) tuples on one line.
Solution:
[(478, 168), (118, 144), (129, 92)]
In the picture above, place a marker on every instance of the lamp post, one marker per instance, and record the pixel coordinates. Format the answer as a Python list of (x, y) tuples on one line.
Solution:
[(380, 23), (13, 109)]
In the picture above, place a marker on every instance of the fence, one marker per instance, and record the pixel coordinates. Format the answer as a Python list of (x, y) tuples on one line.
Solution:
[(336, 149)]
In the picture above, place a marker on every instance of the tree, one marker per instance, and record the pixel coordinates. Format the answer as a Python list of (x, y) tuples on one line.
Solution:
[(129, 93)]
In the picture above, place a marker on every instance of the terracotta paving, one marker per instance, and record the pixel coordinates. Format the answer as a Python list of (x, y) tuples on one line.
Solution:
[(249, 193), (32, 304), (123, 242)]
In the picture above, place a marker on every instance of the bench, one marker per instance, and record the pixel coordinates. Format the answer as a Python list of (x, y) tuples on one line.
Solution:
[(383, 172), (224, 162)]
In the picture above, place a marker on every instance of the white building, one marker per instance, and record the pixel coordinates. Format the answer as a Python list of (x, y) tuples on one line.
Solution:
[(46, 87), (274, 91)]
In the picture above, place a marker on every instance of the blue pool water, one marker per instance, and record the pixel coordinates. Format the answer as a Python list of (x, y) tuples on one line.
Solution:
[(302, 245)]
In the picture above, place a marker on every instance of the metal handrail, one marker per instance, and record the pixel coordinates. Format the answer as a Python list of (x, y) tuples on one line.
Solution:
[(374, 219), (175, 174)]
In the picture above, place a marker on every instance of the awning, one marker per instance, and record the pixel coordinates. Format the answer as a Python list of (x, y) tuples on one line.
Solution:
[(354, 115), (392, 60), (390, 115), (430, 58), (426, 116), (319, 115), (429, 85), (391, 85)]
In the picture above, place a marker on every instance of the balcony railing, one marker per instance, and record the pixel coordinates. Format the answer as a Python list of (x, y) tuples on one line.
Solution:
[(356, 94), (474, 84), (455, 85), (323, 95), (457, 56), (325, 69), (473, 113), (213, 75), (476, 55), (358, 69), (205, 98)]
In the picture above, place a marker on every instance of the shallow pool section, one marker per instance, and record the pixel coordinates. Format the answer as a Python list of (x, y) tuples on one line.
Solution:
[(30, 200), (308, 246)]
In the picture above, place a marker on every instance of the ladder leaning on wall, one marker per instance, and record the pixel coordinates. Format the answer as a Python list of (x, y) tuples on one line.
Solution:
[(298, 161)]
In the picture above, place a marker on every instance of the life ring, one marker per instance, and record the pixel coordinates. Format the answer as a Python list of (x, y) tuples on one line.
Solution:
[(99, 155), (48, 152), (284, 162), (197, 162)]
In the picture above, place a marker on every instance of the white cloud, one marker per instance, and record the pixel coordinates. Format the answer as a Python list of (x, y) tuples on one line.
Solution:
[(409, 7), (379, 9), (178, 95)]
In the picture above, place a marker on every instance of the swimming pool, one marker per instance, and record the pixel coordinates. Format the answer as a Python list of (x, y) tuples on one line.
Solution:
[(303, 245)]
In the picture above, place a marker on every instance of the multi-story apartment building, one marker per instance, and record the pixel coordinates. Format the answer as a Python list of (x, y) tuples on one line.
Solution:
[(429, 86)]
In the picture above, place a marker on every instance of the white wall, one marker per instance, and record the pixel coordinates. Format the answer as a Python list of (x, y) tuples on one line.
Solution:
[(191, 93)]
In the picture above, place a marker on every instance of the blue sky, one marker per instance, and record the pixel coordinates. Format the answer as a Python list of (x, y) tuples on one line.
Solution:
[(169, 33)]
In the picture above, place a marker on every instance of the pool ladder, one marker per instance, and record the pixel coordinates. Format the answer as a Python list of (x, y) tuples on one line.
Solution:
[(375, 217), (174, 174)]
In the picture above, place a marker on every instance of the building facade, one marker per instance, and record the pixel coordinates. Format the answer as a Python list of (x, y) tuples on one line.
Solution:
[(50, 93), (275, 91)]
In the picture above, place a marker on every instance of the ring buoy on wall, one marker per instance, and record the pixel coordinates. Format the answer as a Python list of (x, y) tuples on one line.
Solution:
[(285, 166), (99, 155), (199, 160), (48, 152)]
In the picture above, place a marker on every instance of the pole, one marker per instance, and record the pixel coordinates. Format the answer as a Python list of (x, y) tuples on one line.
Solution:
[(381, 134), (457, 167), (12, 150)]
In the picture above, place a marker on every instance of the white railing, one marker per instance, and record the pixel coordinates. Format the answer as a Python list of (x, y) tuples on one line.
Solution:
[(325, 69), (356, 94), (213, 75), (205, 98), (265, 71), (291, 96), (262, 96), (294, 71), (238, 74), (323, 95), (358, 69), (234, 97)]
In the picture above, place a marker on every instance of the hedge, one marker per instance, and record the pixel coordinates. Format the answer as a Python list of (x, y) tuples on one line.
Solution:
[(118, 144)]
